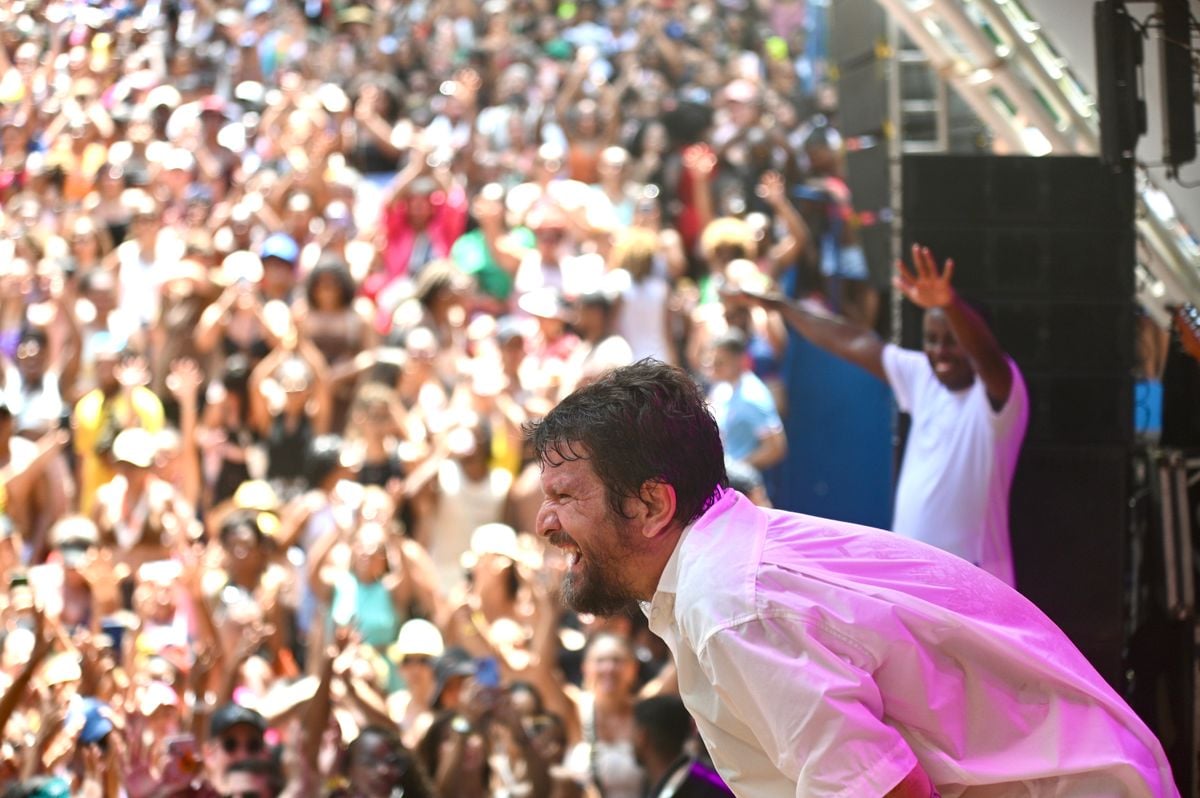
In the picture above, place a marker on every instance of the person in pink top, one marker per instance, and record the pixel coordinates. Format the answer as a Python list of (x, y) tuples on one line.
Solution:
[(424, 213)]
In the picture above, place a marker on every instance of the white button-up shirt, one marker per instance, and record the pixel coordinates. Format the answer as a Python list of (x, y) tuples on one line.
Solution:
[(826, 659)]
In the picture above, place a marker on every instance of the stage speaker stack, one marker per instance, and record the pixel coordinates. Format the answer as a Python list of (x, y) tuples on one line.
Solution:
[(1044, 247), (857, 36)]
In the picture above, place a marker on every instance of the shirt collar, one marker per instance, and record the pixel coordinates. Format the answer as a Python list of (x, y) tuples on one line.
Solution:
[(669, 581)]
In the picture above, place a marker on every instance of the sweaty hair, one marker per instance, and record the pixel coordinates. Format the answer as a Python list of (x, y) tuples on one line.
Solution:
[(639, 424), (665, 722)]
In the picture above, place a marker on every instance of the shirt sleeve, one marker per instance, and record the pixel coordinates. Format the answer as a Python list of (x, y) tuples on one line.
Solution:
[(817, 715), (903, 368), (1015, 411)]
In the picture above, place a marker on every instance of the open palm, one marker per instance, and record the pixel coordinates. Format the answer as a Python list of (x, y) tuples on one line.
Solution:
[(925, 287)]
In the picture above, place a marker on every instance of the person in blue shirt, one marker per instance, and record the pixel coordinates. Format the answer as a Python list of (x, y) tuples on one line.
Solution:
[(750, 426)]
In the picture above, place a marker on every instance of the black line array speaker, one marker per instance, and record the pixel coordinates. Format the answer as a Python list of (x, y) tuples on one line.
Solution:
[(1044, 247), (1119, 57), (1178, 82)]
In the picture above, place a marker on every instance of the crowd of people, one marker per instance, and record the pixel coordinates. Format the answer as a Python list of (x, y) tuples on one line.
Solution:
[(283, 283)]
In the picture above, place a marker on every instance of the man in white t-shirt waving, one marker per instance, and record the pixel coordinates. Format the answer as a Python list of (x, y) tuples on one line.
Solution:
[(969, 412)]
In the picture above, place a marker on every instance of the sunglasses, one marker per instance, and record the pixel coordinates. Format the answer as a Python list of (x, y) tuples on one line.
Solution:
[(254, 794), (251, 745), (550, 236), (416, 659)]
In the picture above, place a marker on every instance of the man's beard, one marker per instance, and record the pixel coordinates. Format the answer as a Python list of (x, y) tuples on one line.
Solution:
[(598, 589)]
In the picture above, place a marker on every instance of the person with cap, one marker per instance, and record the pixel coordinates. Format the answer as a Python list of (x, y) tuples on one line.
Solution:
[(820, 657), (601, 347), (415, 653), (119, 400), (141, 514), (75, 544), (751, 429), (280, 255), (235, 734), (553, 341), (451, 671)]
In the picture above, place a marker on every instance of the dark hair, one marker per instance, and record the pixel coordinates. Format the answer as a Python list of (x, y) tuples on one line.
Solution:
[(322, 458), (647, 422), (340, 272), (520, 686), (35, 334), (415, 782), (241, 519), (666, 724), (436, 278), (732, 341)]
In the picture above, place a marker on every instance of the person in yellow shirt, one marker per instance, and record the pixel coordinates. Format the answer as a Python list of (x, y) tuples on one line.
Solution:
[(120, 400)]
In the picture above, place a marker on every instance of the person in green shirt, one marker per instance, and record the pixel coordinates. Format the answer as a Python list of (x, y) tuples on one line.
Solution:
[(491, 253)]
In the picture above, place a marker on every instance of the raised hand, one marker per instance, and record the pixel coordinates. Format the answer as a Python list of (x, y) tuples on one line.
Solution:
[(772, 300), (772, 189), (185, 380), (133, 373), (927, 287), (700, 161)]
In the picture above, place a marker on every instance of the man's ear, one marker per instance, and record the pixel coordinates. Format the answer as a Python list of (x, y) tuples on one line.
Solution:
[(658, 499)]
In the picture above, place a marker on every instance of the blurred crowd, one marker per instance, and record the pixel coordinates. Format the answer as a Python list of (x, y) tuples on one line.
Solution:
[(281, 282)]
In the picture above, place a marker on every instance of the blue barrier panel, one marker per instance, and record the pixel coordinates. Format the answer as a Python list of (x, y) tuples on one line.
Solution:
[(839, 432)]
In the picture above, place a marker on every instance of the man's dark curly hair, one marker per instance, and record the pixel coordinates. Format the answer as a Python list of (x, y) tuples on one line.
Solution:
[(647, 422)]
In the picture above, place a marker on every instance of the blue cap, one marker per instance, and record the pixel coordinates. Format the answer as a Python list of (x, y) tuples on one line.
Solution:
[(96, 723), (255, 8), (280, 245)]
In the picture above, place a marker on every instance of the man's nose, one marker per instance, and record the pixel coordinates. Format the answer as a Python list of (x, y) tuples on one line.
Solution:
[(547, 521)]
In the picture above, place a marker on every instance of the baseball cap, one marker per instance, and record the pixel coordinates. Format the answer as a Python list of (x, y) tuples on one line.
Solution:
[(134, 446), (417, 636), (741, 91), (256, 8), (497, 539), (454, 662), (545, 303), (96, 723), (62, 669), (72, 537), (281, 246), (230, 715)]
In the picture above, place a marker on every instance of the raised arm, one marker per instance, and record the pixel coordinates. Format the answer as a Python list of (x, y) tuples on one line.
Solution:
[(260, 412), (773, 190), (184, 383), (932, 290), (835, 335)]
